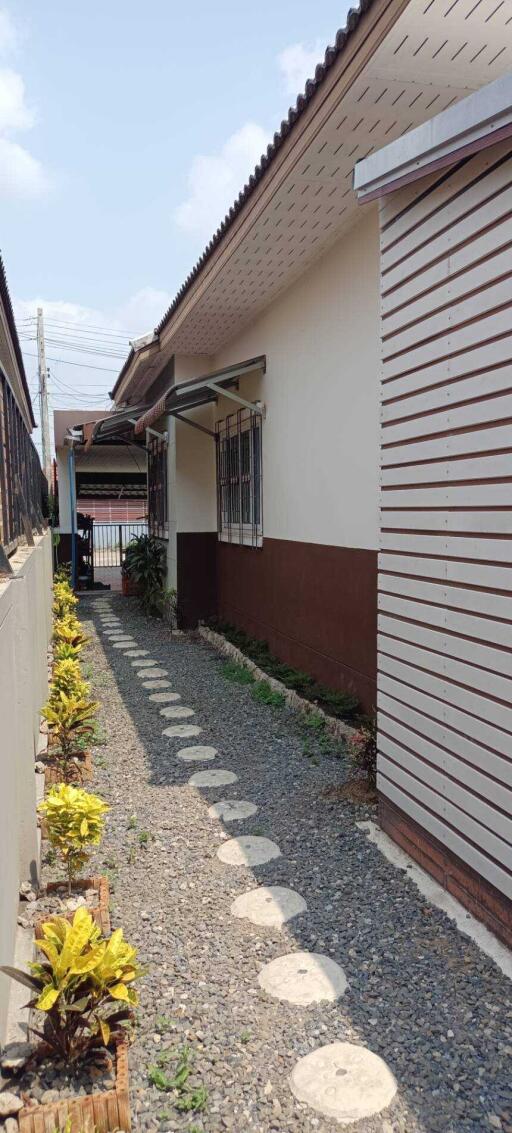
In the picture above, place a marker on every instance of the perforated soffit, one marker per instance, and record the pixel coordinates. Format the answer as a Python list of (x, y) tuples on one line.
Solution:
[(438, 52)]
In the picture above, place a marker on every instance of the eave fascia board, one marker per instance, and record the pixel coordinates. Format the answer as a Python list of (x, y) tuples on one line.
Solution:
[(136, 368), (477, 120)]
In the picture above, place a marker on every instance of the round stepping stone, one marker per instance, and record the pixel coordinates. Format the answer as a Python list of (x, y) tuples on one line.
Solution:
[(182, 731), (248, 850), (152, 673), (144, 664), (218, 778), (230, 810), (108, 621), (343, 1081), (115, 634), (124, 644), (303, 978), (177, 712), (270, 905), (156, 684), (199, 753), (164, 697), (136, 652)]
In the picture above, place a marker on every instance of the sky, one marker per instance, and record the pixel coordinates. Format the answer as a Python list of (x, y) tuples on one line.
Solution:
[(126, 132)]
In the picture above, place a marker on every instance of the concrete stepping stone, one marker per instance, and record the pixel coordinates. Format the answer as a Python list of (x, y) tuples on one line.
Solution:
[(164, 697), (137, 652), (343, 1081), (198, 753), (248, 850), (182, 731), (303, 978), (268, 905), (156, 684), (124, 644), (157, 672), (177, 712), (114, 634), (144, 664), (231, 810), (217, 778), (109, 621)]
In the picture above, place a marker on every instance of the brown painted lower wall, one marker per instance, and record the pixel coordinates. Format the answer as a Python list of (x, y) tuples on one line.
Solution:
[(315, 605), (479, 896), (196, 554)]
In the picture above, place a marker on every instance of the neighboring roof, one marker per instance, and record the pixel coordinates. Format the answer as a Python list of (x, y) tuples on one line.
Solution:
[(480, 120), (294, 113), (65, 419), (5, 299)]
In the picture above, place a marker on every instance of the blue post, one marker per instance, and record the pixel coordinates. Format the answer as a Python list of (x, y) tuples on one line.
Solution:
[(72, 500)]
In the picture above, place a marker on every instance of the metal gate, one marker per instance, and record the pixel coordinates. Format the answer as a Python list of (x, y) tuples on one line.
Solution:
[(110, 541)]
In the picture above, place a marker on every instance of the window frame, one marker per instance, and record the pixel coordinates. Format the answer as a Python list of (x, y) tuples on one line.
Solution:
[(157, 495), (238, 523)]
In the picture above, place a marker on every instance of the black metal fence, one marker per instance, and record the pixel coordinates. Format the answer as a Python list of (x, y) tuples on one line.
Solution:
[(23, 486), (110, 541)]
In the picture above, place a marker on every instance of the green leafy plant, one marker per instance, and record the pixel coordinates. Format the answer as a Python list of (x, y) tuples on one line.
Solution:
[(237, 673), (69, 719), (67, 678), (190, 1099), (82, 986), (146, 563), (74, 823), (362, 749), (263, 693)]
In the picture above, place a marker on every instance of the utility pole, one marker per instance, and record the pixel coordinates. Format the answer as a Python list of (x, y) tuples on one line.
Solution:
[(43, 398)]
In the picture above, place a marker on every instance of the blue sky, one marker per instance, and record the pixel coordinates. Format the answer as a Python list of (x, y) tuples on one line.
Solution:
[(126, 130)]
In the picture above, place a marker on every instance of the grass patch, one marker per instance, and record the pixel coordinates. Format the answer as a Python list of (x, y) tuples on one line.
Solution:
[(236, 673), (264, 694), (343, 705)]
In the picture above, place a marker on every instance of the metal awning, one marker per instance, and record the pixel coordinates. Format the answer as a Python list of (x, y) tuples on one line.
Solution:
[(200, 391), (113, 427)]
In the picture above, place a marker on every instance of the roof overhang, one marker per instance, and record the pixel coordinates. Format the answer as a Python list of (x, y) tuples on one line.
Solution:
[(109, 429), (401, 61), (480, 120), (201, 391)]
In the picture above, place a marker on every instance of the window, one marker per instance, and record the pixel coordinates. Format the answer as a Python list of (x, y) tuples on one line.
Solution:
[(239, 499), (157, 488)]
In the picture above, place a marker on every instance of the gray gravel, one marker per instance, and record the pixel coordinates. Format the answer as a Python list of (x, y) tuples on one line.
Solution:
[(420, 994)]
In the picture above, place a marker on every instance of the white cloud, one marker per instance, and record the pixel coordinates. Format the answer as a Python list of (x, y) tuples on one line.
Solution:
[(297, 64), (135, 316), (216, 179), (22, 176)]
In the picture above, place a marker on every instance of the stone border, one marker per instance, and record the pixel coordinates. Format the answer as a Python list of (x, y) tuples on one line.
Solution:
[(337, 728)]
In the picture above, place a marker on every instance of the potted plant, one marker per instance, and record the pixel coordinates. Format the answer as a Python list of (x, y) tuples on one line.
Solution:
[(69, 719), (73, 823), (83, 998), (145, 565)]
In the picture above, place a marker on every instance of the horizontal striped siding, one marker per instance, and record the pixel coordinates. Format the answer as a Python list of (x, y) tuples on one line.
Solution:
[(445, 562)]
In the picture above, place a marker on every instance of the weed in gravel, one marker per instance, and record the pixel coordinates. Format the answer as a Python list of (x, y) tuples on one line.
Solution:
[(236, 673), (264, 694), (164, 1023), (144, 838), (193, 1101), (132, 855), (132, 822), (190, 1099), (100, 761), (245, 1037)]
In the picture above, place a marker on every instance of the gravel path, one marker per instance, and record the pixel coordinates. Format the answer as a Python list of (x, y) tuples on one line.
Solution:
[(419, 993)]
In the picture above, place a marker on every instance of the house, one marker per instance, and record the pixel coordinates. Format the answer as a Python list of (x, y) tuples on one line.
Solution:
[(25, 627), (445, 571), (274, 525), (259, 390)]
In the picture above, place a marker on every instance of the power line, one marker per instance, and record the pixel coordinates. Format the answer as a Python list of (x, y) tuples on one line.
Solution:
[(125, 335), (84, 365)]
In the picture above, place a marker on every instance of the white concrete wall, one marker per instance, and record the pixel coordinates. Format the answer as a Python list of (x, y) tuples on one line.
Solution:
[(25, 628), (321, 389)]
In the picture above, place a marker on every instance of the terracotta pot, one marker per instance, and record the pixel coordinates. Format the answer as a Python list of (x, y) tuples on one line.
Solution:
[(130, 588), (100, 912), (105, 1112)]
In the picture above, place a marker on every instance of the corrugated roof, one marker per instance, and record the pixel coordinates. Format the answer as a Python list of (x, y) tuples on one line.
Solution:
[(5, 299), (294, 113)]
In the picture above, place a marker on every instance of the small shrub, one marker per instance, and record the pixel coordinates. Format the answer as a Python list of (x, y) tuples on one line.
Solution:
[(74, 822), (83, 986), (362, 749), (263, 693), (237, 673), (69, 719), (67, 678)]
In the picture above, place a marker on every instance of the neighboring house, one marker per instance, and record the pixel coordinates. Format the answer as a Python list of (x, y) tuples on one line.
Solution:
[(110, 482), (445, 572), (25, 627), (259, 390)]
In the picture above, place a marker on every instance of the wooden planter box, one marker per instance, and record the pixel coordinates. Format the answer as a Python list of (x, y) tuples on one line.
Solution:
[(95, 1113), (53, 773), (100, 912)]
